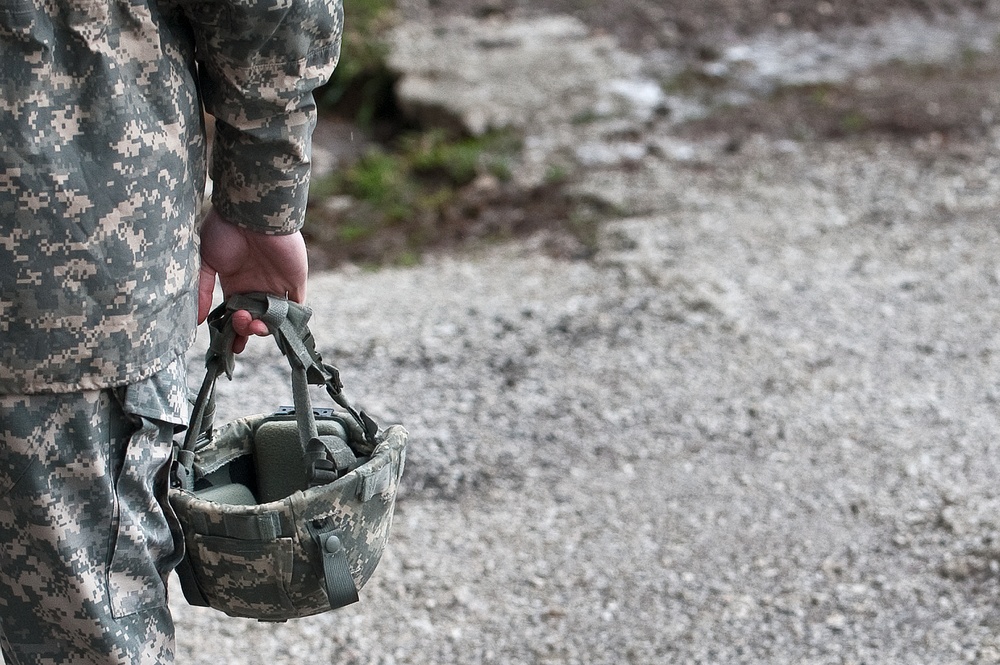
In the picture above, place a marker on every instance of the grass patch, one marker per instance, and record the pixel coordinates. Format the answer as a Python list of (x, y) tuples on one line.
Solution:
[(853, 122), (416, 188), (694, 80), (420, 192)]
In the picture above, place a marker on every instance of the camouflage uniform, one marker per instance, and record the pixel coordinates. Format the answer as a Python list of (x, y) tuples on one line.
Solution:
[(85, 544), (102, 171)]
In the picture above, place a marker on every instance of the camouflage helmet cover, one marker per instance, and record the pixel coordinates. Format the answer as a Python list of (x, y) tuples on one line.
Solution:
[(308, 546)]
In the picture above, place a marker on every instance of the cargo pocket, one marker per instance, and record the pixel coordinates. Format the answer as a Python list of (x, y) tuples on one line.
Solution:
[(144, 547), (244, 577)]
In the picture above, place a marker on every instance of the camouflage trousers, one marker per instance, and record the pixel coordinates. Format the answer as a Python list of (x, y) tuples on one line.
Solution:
[(87, 538)]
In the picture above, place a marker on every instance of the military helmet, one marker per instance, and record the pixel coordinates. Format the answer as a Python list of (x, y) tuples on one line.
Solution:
[(286, 514)]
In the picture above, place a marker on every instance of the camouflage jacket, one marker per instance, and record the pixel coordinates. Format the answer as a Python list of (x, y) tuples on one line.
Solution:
[(103, 167)]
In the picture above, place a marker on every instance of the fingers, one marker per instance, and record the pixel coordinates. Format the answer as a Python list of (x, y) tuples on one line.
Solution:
[(244, 324), (240, 343)]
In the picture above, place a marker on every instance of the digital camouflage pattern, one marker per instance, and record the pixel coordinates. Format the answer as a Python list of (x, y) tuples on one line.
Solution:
[(102, 174), (273, 530), (85, 545), (103, 163), (263, 561)]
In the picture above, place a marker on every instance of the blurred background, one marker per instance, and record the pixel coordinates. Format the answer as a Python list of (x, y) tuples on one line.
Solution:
[(691, 310), (485, 127)]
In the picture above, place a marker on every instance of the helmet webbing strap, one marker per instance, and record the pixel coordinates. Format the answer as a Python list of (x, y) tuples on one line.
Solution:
[(287, 321)]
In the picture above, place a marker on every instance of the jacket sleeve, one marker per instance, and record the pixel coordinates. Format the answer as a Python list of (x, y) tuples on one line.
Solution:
[(259, 62)]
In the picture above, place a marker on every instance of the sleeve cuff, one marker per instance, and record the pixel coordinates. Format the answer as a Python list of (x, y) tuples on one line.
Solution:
[(261, 175)]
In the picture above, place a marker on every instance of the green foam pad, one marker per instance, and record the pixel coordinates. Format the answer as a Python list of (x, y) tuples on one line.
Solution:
[(279, 458), (232, 493)]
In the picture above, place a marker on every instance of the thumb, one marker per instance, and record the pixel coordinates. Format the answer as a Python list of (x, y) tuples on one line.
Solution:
[(206, 290)]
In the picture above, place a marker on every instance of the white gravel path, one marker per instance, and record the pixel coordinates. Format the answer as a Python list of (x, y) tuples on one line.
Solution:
[(760, 427)]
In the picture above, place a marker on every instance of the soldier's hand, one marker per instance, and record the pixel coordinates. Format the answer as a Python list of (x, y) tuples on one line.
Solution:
[(245, 261)]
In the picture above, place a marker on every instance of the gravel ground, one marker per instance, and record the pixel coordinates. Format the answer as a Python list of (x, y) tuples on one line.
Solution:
[(758, 427)]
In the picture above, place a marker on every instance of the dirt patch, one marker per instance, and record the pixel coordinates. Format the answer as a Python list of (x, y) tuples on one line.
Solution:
[(954, 103), (486, 211), (644, 24)]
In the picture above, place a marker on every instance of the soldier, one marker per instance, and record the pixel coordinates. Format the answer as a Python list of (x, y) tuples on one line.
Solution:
[(102, 173)]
